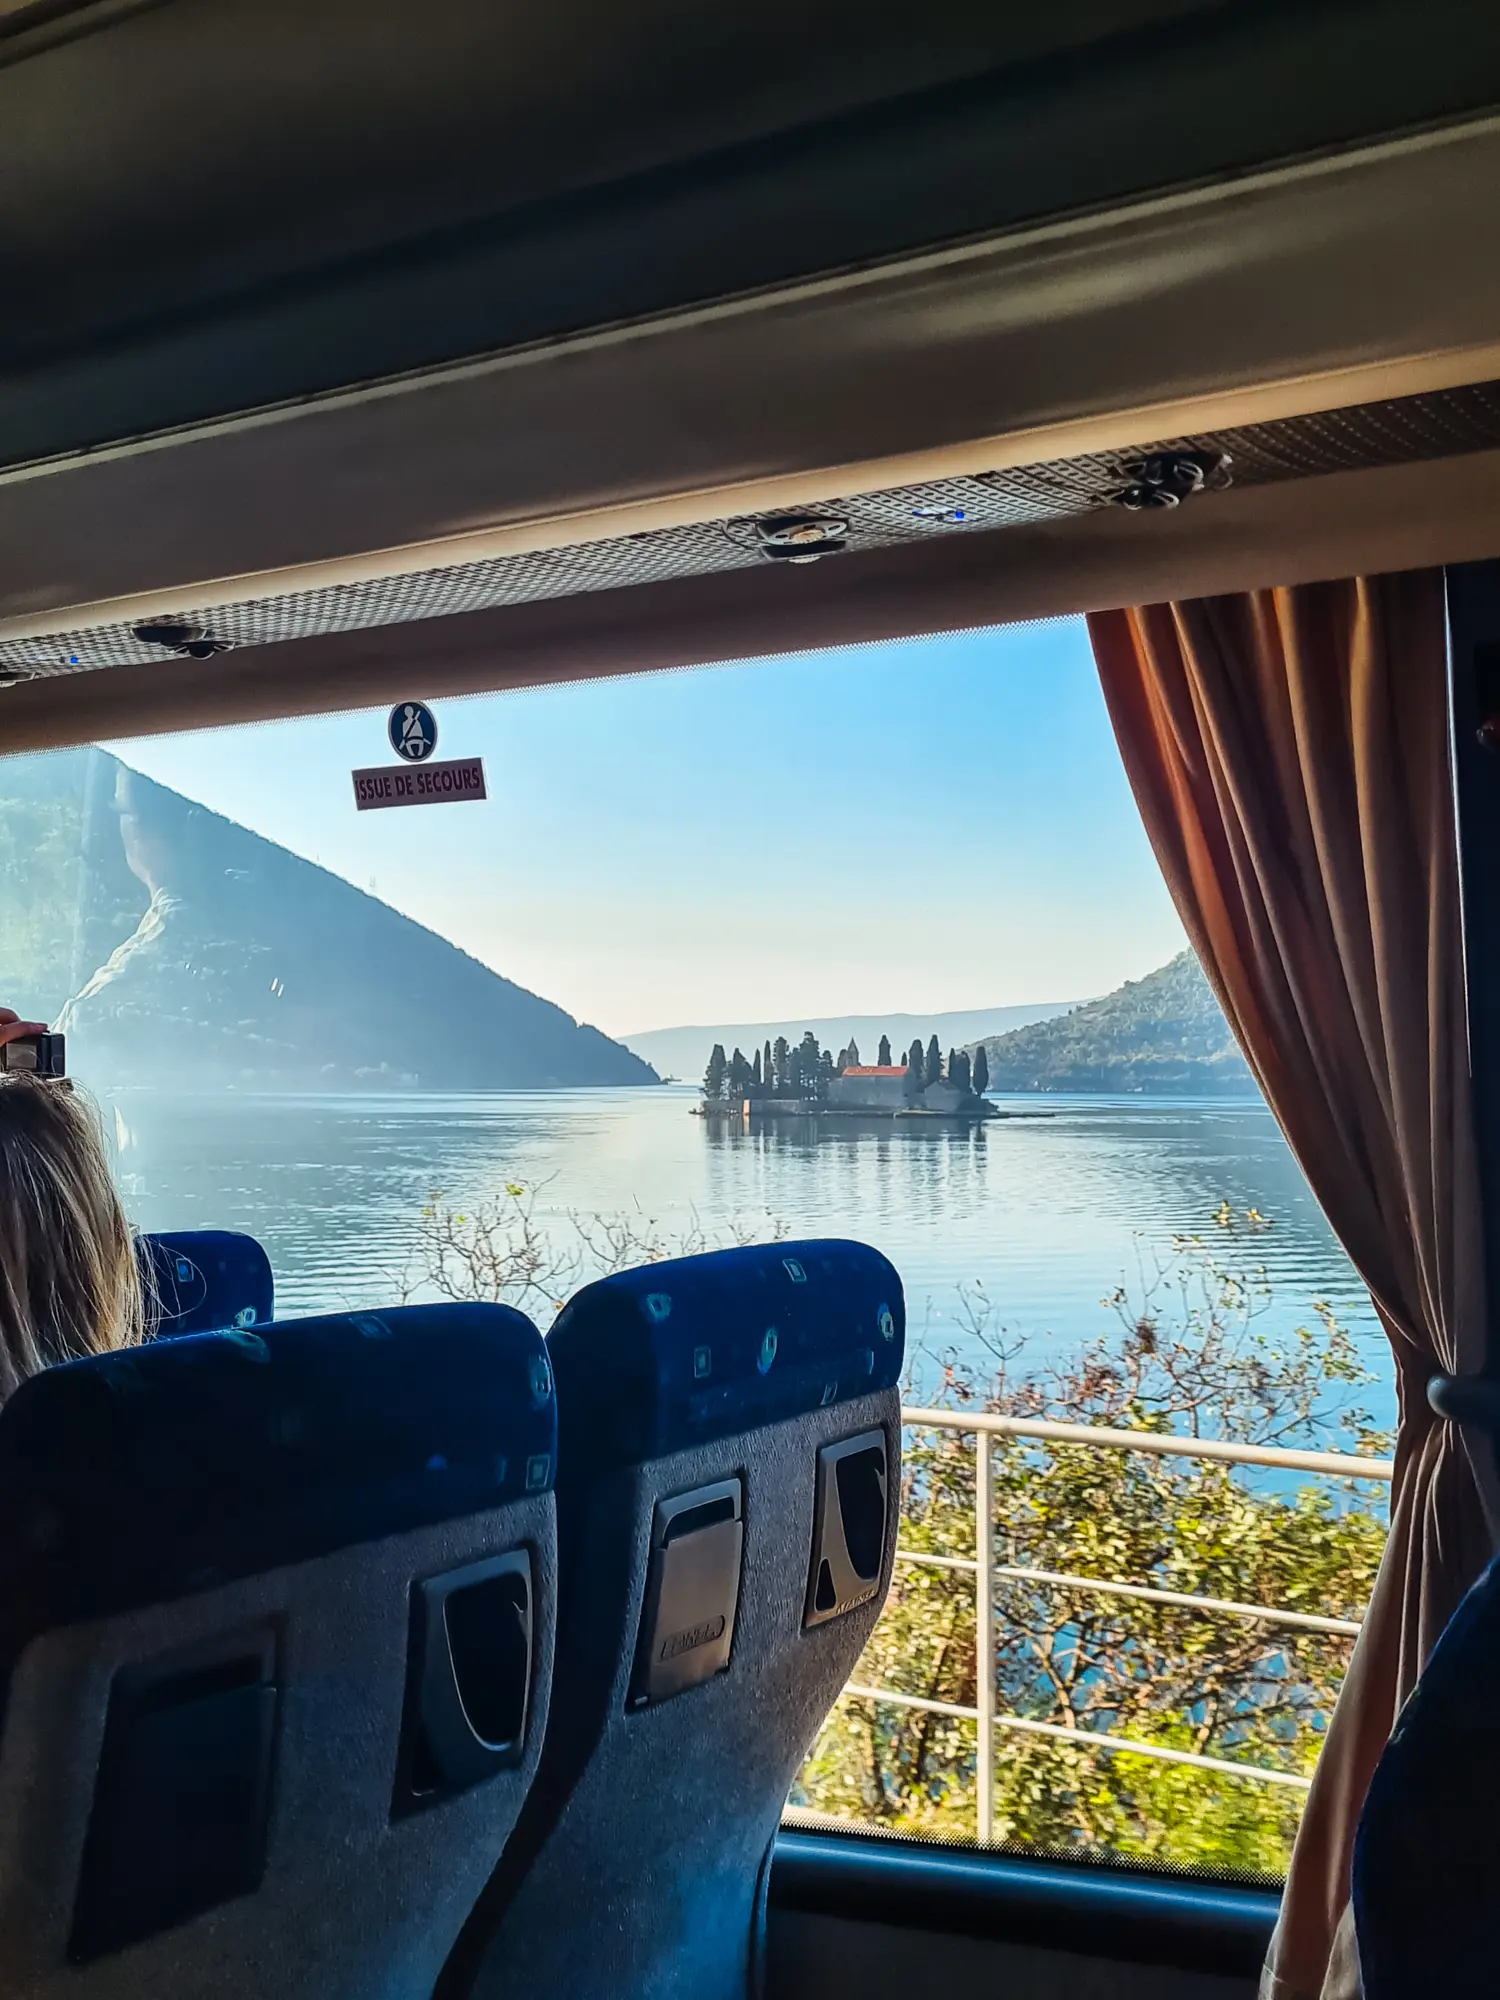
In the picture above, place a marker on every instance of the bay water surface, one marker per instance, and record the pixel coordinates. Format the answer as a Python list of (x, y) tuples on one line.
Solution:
[(1048, 1209)]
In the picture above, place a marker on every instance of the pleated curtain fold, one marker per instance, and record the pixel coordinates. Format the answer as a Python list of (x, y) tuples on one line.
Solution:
[(1289, 753)]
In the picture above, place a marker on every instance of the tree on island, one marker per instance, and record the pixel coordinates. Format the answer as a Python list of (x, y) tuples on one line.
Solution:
[(981, 1070), (795, 1062), (768, 1069), (959, 1072), (783, 1067), (914, 1063), (755, 1070), (739, 1074), (885, 1052), (713, 1076), (932, 1071), (807, 1067)]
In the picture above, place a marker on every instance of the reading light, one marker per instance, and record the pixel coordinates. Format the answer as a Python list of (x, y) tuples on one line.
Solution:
[(1167, 478), (178, 636), (801, 537)]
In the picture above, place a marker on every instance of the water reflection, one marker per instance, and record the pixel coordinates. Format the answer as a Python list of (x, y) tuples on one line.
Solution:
[(1048, 1209)]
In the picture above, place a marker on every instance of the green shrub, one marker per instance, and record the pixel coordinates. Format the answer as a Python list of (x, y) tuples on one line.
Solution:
[(1189, 1354)]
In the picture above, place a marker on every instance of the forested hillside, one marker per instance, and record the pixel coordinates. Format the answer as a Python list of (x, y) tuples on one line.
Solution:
[(1165, 1033)]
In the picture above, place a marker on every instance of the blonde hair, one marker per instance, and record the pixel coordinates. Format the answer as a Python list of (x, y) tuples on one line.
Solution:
[(69, 1284)]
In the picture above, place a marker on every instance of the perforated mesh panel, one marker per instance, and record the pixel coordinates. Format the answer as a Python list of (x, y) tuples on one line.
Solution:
[(1401, 431)]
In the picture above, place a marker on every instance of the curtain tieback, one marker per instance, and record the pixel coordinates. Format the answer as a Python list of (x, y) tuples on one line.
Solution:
[(1466, 1399)]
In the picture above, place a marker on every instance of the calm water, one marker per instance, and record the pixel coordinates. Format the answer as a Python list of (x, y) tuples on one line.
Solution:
[(1048, 1212)]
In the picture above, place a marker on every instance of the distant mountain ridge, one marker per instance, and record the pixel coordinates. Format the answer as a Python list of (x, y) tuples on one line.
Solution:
[(684, 1052), (1165, 1033), (184, 950)]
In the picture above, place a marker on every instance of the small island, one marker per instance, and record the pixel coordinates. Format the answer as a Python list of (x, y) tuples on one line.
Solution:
[(801, 1080)]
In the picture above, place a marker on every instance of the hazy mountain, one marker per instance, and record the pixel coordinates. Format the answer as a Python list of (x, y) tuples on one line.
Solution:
[(1164, 1033), (180, 949), (684, 1052)]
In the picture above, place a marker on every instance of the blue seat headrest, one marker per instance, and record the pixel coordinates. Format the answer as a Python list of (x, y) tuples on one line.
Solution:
[(675, 1354), (205, 1280), (132, 1478)]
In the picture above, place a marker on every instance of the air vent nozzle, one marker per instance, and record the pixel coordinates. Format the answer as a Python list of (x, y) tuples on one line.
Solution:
[(1167, 478), (801, 537), (178, 635)]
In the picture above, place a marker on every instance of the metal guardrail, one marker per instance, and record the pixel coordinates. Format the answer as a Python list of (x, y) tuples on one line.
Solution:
[(1164, 1444), (984, 1427)]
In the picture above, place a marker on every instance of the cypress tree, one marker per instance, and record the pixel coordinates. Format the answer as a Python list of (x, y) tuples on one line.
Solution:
[(933, 1069), (713, 1076), (808, 1056), (885, 1051), (981, 1070)]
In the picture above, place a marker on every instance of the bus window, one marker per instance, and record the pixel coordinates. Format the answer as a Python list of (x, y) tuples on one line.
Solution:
[(866, 943)]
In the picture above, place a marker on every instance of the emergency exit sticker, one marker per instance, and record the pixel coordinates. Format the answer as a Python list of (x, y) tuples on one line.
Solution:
[(419, 784)]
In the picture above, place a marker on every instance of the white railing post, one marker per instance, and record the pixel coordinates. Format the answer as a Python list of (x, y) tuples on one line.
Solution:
[(984, 1635)]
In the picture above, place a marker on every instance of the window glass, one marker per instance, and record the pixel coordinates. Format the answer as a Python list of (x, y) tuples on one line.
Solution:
[(868, 942)]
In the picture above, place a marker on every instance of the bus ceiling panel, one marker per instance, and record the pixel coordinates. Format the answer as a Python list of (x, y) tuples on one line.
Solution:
[(216, 206), (29, 26), (300, 130), (1337, 524), (341, 130), (1339, 282)]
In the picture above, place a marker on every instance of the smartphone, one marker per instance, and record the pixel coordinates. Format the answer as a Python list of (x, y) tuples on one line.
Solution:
[(36, 1055)]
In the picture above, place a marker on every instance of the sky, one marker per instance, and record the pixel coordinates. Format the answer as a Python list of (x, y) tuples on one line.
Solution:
[(909, 827)]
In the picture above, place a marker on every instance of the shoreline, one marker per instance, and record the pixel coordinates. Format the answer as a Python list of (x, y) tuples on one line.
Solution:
[(749, 1110)]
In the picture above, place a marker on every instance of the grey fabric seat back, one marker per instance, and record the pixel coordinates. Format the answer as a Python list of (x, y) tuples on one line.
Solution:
[(729, 1459), (276, 1629)]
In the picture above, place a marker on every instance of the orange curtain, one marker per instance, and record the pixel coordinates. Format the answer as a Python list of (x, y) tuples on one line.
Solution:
[(1289, 753)]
